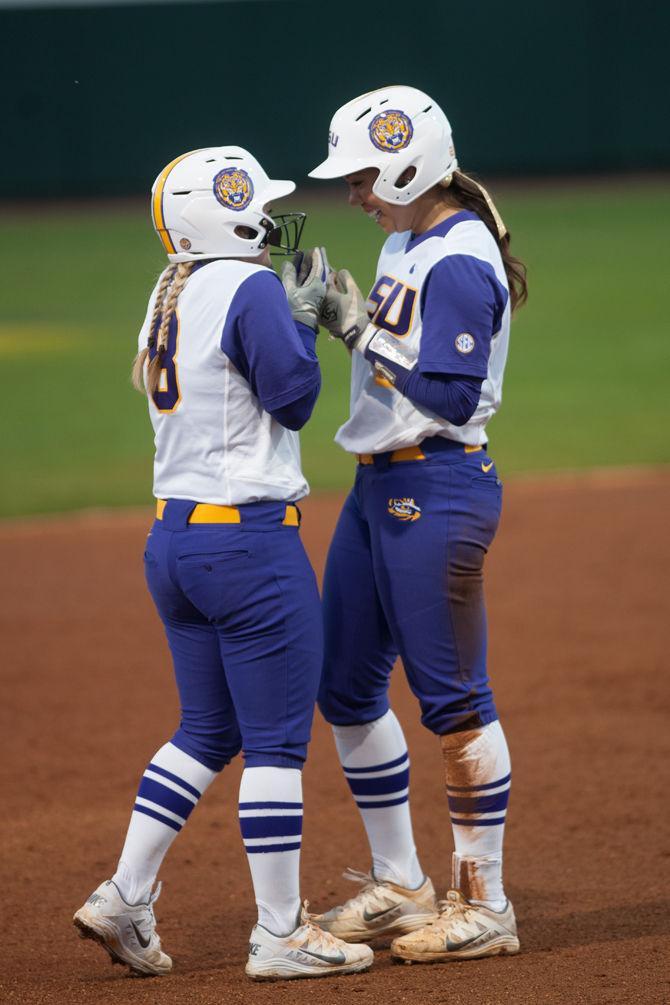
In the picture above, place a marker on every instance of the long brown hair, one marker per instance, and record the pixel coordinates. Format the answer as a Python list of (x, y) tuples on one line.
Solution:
[(464, 191), (171, 283)]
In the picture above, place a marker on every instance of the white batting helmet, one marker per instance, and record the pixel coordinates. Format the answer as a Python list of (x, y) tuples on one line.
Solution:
[(391, 129), (209, 204)]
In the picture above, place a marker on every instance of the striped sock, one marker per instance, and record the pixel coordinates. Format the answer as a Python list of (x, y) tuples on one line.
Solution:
[(271, 824), (169, 790), (375, 762), (478, 778)]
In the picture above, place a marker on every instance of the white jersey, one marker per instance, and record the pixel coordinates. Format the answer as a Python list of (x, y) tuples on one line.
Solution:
[(459, 262), (215, 441)]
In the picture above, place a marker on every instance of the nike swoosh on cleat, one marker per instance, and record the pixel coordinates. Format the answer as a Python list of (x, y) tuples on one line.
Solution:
[(453, 947), (486, 467), (340, 958), (378, 914), (140, 938)]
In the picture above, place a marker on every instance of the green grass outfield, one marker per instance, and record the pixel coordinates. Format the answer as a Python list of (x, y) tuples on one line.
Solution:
[(586, 382)]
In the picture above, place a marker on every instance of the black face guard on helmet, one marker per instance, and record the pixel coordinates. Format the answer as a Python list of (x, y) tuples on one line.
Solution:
[(282, 232), (284, 236)]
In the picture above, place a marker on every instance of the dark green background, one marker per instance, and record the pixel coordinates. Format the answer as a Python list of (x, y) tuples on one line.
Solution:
[(531, 89), (96, 100), (585, 385)]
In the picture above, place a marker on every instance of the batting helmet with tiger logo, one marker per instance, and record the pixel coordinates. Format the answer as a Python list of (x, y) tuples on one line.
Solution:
[(213, 203), (392, 129)]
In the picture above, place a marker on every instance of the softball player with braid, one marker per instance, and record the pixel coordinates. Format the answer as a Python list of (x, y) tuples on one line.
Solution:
[(404, 572), (230, 374)]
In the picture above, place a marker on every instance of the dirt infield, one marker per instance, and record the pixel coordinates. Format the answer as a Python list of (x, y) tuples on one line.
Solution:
[(578, 600)]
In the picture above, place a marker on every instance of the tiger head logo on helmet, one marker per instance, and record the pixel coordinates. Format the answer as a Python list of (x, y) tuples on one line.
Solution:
[(233, 188), (391, 131)]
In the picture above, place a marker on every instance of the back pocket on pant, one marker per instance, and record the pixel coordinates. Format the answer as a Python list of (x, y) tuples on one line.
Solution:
[(234, 589)]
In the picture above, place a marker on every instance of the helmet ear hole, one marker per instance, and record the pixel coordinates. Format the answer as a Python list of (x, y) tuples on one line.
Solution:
[(246, 233), (403, 180)]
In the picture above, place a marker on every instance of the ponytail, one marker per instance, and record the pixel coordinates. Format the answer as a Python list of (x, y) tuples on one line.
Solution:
[(171, 284), (469, 194)]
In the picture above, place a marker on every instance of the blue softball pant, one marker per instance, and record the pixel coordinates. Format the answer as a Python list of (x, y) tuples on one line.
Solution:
[(404, 576), (241, 611)]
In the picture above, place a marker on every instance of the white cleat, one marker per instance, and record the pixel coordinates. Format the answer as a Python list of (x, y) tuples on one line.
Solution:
[(307, 952), (127, 933), (381, 909), (463, 931)]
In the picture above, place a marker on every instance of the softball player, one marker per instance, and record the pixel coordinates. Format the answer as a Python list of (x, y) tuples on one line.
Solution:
[(404, 572), (230, 374)]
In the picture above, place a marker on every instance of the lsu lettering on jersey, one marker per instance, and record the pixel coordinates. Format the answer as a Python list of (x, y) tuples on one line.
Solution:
[(444, 295), (234, 353)]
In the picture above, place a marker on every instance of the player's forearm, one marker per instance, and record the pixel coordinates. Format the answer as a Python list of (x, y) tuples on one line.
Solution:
[(294, 414), (307, 336), (291, 377), (451, 397)]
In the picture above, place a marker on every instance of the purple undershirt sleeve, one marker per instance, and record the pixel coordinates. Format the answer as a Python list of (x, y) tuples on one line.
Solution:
[(453, 398), (273, 353)]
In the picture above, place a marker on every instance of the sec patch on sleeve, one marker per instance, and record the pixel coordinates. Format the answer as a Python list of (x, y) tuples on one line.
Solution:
[(464, 343)]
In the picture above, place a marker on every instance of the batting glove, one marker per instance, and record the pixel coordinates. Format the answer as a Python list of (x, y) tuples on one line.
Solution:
[(304, 281), (343, 311)]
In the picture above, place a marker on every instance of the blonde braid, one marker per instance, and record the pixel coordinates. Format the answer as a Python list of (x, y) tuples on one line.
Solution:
[(171, 284)]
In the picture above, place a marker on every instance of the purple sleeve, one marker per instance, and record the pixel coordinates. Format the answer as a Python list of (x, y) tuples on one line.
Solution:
[(295, 415), (274, 354), (461, 309), (452, 398)]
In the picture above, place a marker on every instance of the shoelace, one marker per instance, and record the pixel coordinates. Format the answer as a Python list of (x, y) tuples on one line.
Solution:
[(453, 908), (153, 897), (368, 882), (314, 934)]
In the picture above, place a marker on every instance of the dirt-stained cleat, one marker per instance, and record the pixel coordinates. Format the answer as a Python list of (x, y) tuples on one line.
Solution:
[(380, 909), (463, 931), (127, 932), (306, 952)]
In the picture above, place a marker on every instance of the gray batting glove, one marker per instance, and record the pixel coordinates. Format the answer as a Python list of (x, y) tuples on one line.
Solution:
[(343, 311), (304, 281)]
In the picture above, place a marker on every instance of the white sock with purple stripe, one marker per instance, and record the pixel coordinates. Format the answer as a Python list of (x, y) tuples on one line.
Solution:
[(477, 768), (376, 765), (170, 788), (271, 824)]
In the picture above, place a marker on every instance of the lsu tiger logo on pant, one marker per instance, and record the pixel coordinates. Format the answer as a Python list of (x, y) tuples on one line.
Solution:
[(404, 509)]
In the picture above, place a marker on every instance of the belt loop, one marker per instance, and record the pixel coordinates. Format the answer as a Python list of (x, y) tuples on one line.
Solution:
[(176, 513), (382, 461)]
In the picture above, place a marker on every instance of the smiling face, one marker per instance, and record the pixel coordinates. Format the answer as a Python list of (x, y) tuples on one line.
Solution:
[(360, 194), (418, 216)]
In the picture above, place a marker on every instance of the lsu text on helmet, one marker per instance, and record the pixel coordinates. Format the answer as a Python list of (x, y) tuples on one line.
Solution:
[(392, 129), (210, 203)]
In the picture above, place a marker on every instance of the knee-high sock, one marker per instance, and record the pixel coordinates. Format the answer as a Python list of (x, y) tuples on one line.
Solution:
[(376, 765), (169, 790), (477, 768), (271, 825)]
